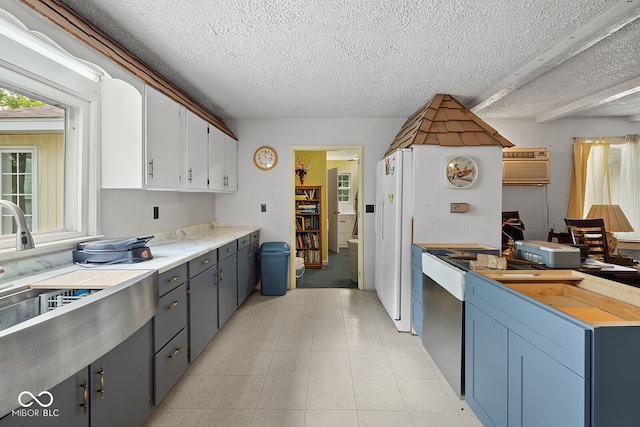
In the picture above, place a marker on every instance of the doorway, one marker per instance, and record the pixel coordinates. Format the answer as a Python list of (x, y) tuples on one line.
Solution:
[(331, 173)]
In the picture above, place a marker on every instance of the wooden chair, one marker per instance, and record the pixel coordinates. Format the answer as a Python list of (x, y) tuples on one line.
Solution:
[(591, 233), (562, 237)]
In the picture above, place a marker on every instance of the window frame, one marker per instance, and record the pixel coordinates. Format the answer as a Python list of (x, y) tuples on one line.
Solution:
[(81, 190), (350, 180)]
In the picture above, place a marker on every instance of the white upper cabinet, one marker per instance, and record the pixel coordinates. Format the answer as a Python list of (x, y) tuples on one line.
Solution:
[(152, 142), (223, 162), (164, 133), (122, 145), (196, 171)]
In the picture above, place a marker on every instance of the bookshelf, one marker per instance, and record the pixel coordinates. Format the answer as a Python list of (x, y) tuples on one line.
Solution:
[(309, 225)]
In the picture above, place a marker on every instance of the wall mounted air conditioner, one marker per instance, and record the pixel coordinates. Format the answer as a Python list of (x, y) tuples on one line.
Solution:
[(525, 166)]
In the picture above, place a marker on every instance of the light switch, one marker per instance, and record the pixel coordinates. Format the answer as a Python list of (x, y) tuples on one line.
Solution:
[(263, 207), (459, 207)]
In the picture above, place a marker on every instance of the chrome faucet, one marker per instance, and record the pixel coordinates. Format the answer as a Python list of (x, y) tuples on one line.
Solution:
[(24, 240)]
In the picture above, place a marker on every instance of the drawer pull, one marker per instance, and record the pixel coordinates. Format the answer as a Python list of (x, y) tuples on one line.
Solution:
[(173, 279), (85, 396), (175, 353), (175, 303), (229, 250), (206, 261)]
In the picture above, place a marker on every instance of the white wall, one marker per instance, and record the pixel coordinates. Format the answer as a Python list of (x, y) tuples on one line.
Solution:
[(433, 221), (536, 204), (273, 187)]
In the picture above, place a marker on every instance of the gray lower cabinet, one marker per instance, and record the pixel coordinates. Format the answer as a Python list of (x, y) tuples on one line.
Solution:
[(113, 390), (254, 271), (248, 274), (121, 383), (170, 331), (203, 303), (227, 282)]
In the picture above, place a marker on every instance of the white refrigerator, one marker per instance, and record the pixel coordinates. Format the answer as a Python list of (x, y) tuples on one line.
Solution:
[(394, 206)]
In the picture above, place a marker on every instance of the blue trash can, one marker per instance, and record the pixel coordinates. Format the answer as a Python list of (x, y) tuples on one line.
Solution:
[(274, 268)]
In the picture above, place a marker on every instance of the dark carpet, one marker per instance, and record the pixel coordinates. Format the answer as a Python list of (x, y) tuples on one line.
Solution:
[(336, 274)]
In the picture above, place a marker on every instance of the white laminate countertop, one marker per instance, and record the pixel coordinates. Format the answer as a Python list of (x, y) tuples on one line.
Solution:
[(169, 249)]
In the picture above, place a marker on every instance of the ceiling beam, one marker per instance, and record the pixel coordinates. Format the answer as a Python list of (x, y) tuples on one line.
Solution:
[(621, 14), (616, 92)]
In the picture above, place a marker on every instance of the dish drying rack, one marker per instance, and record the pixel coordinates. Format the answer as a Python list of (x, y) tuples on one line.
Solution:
[(58, 298)]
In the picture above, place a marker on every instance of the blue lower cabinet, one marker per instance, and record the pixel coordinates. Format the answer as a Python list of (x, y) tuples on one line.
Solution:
[(528, 364), (486, 360), (416, 289), (541, 390)]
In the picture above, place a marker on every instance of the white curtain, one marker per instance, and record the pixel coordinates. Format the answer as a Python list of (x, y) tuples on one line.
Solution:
[(629, 193), (597, 190)]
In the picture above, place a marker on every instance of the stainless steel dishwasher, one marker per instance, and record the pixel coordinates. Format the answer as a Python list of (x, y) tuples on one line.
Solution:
[(443, 318)]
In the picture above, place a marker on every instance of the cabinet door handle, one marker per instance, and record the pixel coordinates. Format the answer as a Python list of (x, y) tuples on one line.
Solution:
[(85, 396), (173, 279), (190, 174), (221, 276), (101, 390), (175, 353), (175, 303), (151, 168)]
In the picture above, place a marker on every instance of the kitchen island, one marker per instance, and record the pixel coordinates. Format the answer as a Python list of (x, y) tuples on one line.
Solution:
[(551, 347)]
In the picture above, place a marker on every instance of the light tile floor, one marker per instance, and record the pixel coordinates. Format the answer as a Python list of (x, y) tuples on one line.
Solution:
[(313, 357)]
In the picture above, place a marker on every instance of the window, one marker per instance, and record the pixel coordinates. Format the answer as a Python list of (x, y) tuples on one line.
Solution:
[(18, 186), (48, 141), (344, 187)]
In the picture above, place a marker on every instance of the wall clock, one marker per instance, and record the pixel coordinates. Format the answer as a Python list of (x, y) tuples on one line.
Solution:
[(460, 172), (265, 157)]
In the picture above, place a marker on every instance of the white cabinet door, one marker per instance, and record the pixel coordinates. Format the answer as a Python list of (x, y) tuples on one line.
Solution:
[(231, 163), (164, 133), (216, 160), (122, 145), (223, 162), (196, 145)]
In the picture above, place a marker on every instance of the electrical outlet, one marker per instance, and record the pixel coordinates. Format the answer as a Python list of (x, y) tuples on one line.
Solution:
[(459, 207)]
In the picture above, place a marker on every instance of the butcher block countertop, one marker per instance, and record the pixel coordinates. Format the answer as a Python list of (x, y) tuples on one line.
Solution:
[(588, 298)]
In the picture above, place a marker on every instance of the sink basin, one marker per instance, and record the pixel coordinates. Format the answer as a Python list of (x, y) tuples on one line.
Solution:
[(19, 306)]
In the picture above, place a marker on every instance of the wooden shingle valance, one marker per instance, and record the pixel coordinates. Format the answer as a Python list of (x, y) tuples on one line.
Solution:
[(444, 121), (70, 21)]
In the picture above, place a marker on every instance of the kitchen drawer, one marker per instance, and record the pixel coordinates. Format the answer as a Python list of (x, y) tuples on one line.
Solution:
[(171, 316), (244, 241), (170, 364), (554, 333), (255, 236), (171, 279), (203, 262), (227, 250), (416, 255)]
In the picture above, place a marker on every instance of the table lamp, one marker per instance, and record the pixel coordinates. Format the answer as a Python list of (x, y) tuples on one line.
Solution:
[(614, 221)]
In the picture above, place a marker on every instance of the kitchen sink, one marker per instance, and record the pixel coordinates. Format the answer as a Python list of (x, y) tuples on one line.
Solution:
[(25, 304)]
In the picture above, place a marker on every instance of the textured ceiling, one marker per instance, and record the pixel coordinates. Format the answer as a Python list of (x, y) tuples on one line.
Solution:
[(384, 58)]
